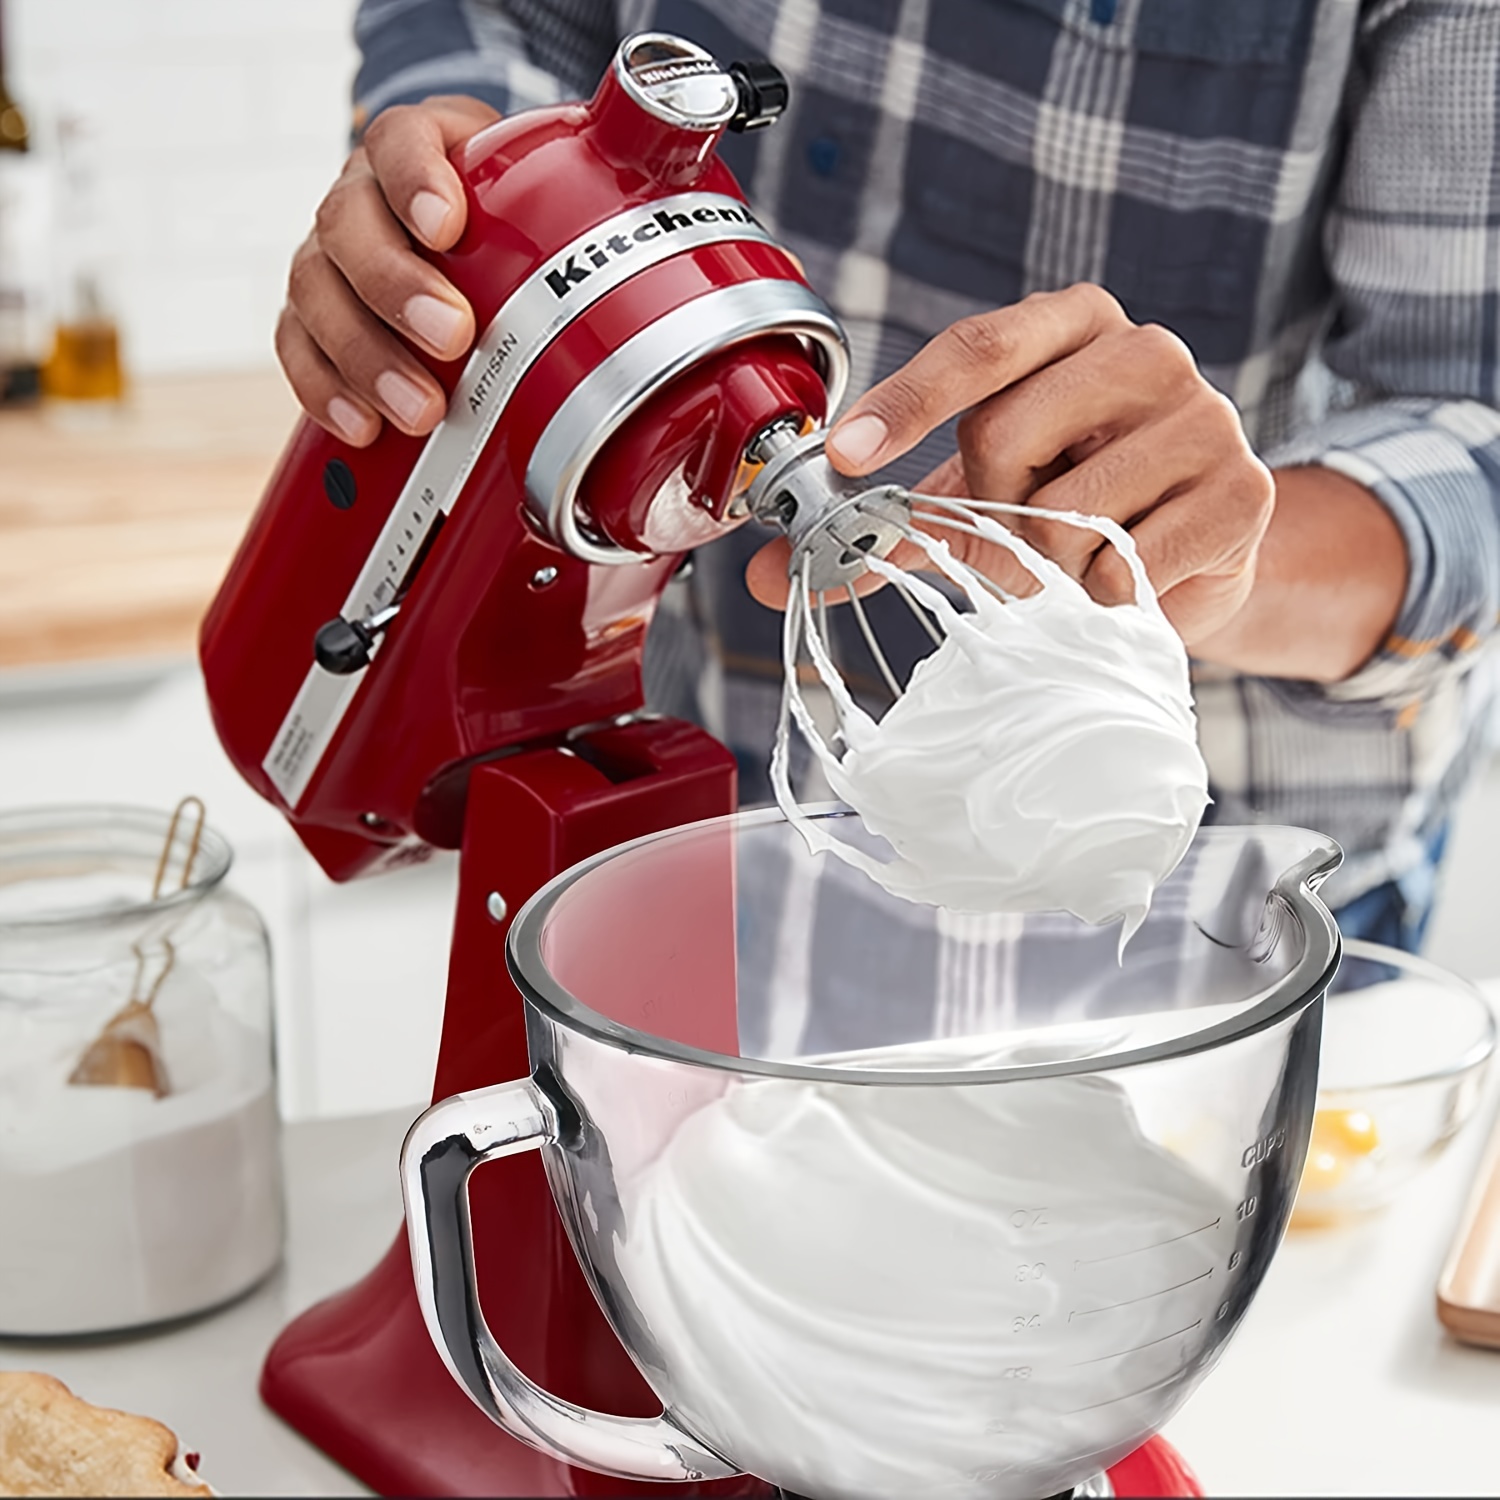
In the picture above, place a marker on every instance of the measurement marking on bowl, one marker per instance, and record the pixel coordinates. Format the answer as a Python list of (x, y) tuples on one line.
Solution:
[(1145, 1390), (1135, 1348), (1141, 1249), (1088, 1312)]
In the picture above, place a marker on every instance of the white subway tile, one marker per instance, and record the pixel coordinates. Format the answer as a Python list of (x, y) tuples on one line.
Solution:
[(75, 26), (268, 207), (220, 126), (216, 21), (307, 99), (378, 973), (172, 322)]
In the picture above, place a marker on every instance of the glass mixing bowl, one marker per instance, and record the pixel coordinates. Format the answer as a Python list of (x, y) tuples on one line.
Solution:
[(882, 1199), (1405, 1048)]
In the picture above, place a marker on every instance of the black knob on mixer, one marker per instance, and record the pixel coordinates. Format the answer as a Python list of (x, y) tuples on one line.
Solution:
[(342, 646), (763, 93)]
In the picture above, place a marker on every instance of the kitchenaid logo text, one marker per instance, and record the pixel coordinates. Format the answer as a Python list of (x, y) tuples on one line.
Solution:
[(491, 372), (577, 268), (670, 72)]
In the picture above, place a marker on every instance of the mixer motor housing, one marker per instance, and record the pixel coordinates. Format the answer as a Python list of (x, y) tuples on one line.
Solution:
[(400, 613)]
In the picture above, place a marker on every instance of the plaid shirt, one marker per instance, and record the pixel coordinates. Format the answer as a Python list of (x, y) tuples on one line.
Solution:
[(1306, 191)]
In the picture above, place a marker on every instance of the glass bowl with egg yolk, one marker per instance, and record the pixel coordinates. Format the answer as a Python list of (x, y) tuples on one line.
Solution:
[(1404, 1052)]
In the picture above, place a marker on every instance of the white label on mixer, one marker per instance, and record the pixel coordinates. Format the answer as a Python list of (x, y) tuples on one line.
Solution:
[(323, 699), (531, 318)]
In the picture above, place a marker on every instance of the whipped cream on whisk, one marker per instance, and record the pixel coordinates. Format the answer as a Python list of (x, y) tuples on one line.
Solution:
[(1044, 758)]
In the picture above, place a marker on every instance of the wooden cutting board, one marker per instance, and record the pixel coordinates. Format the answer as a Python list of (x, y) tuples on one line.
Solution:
[(1468, 1294), (116, 525)]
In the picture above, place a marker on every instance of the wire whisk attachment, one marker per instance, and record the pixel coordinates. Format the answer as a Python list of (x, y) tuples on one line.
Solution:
[(1043, 757)]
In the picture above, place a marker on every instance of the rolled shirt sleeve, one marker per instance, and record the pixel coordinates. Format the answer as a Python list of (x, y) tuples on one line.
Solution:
[(1435, 465), (1413, 248)]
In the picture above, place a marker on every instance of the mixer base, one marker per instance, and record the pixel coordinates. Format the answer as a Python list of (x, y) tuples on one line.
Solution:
[(1154, 1469), (359, 1376), (330, 1375)]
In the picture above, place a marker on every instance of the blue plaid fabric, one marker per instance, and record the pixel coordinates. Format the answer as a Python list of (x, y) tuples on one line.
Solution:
[(1306, 191)]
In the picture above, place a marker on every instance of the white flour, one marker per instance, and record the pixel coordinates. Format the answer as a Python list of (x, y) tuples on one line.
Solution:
[(893, 1291), (118, 1208), (1045, 757)]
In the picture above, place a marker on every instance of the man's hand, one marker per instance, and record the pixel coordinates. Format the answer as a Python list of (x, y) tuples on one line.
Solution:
[(1068, 405), (357, 276)]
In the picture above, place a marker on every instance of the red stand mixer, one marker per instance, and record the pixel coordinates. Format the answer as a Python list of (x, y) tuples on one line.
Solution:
[(437, 644)]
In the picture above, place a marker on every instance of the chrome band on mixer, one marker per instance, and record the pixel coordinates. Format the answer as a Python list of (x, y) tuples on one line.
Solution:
[(533, 316), (609, 393), (835, 523), (677, 82)]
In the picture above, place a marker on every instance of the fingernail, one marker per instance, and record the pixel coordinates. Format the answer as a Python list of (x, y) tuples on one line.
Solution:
[(434, 321), (349, 419), (407, 400), (429, 213), (859, 440)]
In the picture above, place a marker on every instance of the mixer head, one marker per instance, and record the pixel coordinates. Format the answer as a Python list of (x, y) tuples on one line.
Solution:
[(401, 612)]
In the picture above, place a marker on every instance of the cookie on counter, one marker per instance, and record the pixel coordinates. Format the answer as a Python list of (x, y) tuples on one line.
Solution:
[(52, 1443)]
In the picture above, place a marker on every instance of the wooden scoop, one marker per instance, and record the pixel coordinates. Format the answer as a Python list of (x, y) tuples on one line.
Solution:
[(127, 1053)]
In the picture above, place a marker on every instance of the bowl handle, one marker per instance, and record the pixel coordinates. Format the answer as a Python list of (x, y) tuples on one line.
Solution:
[(441, 1150)]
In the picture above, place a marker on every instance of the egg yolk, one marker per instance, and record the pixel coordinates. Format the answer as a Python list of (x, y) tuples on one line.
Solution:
[(1339, 1138)]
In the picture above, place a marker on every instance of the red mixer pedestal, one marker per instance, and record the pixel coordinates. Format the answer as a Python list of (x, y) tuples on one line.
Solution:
[(358, 1374), (1156, 1468)]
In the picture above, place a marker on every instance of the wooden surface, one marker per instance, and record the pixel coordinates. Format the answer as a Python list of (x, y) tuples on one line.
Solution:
[(1469, 1289), (116, 524)]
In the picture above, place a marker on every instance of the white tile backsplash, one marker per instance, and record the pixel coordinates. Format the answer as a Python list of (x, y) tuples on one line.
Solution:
[(219, 128), (377, 967)]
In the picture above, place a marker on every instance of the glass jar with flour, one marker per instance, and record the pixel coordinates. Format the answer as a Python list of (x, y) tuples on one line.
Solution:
[(139, 1167)]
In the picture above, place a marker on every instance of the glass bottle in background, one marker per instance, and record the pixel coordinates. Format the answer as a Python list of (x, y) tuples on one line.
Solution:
[(14, 135), (85, 361), (25, 238)]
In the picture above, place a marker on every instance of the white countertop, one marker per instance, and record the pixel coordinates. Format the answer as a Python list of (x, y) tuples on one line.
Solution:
[(200, 1376), (1340, 1381)]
